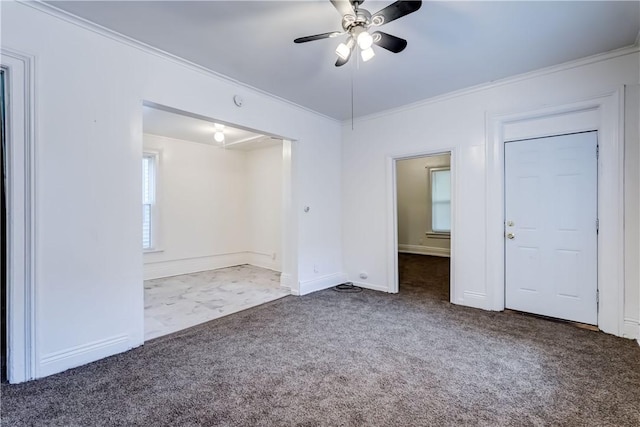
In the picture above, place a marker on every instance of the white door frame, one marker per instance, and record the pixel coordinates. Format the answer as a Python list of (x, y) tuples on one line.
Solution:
[(21, 224), (392, 215), (605, 114), (289, 220)]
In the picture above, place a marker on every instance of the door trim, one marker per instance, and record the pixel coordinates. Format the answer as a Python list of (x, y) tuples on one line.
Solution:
[(604, 114), (21, 227)]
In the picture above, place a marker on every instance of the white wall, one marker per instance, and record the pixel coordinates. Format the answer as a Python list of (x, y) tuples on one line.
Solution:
[(456, 122), (264, 207), (89, 90), (414, 206), (215, 207)]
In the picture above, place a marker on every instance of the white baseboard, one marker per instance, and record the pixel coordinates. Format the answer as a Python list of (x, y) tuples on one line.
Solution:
[(372, 286), (159, 269), (262, 260), (59, 361), (424, 250), (156, 270), (286, 281), (631, 329), (320, 283), (475, 300)]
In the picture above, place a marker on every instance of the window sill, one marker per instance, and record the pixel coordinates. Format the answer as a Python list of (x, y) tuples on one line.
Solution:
[(437, 235)]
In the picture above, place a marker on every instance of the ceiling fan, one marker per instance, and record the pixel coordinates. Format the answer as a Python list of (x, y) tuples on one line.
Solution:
[(358, 23)]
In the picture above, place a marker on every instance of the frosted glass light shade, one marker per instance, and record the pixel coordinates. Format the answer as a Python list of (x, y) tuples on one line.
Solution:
[(367, 54), (218, 136), (365, 40), (343, 51)]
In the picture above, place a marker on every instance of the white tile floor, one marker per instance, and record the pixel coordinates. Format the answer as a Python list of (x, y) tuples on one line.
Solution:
[(175, 303)]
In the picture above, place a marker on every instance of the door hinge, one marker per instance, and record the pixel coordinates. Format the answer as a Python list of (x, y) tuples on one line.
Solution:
[(597, 151), (597, 225), (597, 296)]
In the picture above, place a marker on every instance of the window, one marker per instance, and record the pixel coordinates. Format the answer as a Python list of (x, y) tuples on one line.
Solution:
[(148, 198), (440, 200)]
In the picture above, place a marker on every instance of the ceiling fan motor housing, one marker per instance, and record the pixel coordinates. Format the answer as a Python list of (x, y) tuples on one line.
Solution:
[(362, 19)]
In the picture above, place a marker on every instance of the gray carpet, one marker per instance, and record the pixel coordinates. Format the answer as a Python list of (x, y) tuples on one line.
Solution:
[(359, 359)]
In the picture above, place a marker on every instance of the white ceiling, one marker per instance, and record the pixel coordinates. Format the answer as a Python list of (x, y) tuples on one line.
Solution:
[(157, 121), (452, 45)]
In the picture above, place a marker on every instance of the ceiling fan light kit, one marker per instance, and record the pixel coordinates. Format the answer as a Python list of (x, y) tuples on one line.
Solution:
[(365, 40), (218, 135), (344, 50), (357, 23), (367, 54)]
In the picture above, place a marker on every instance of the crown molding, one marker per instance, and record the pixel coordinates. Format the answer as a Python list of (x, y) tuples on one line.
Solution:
[(131, 42), (600, 57)]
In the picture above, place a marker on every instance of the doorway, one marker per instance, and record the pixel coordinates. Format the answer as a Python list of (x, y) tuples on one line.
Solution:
[(18, 234), (213, 209), (551, 226), (423, 207), (603, 113)]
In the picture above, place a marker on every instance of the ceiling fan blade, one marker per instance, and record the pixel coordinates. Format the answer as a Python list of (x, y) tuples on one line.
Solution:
[(343, 6), (387, 41), (317, 37), (394, 11)]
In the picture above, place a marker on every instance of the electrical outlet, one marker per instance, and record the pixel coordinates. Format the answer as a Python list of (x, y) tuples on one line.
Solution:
[(315, 268), (273, 256)]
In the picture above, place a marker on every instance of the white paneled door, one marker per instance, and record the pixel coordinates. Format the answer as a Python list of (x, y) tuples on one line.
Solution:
[(551, 211)]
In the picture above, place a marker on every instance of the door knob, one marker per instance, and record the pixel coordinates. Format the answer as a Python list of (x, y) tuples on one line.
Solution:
[(511, 236)]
